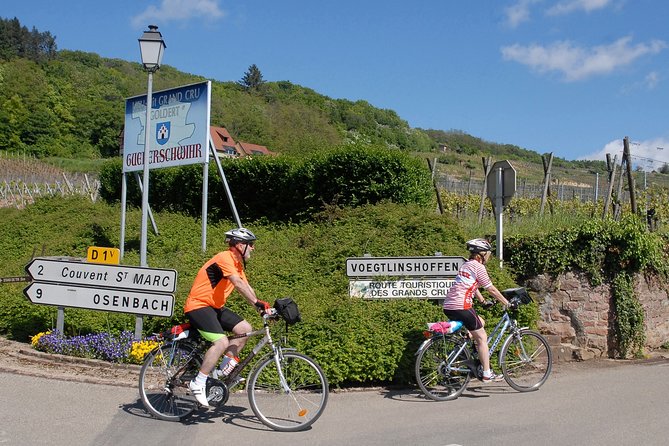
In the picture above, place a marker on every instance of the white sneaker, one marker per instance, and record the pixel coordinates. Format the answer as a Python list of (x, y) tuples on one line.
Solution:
[(493, 378), (199, 392)]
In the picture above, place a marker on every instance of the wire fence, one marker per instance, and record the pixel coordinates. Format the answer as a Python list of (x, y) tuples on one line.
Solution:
[(24, 179), (561, 191)]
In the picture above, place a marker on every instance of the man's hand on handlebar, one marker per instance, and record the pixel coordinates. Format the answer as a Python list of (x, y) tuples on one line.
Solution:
[(262, 306)]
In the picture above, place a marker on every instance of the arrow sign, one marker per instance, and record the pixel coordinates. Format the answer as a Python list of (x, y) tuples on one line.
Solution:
[(101, 275), (121, 301)]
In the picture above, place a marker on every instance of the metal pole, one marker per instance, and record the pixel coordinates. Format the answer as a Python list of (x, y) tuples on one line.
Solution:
[(225, 185), (205, 192), (60, 320), (124, 185), (150, 212), (499, 205), (145, 179)]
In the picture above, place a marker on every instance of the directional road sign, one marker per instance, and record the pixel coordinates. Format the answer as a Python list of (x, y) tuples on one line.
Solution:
[(101, 275), (435, 266), (121, 301), (507, 189)]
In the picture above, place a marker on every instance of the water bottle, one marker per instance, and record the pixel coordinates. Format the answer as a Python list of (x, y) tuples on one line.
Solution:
[(228, 364)]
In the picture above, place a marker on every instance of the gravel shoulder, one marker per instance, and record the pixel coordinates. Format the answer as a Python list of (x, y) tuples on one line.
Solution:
[(22, 359)]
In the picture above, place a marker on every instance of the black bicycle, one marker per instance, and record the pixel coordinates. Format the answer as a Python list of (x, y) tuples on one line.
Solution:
[(446, 362), (287, 390)]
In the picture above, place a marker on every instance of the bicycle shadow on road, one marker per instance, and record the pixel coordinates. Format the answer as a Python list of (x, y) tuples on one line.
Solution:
[(474, 390), (226, 413)]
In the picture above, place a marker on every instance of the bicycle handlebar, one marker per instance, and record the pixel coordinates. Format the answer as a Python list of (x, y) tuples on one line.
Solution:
[(270, 313)]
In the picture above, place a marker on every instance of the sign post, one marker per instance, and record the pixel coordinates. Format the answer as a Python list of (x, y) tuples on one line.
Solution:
[(501, 188)]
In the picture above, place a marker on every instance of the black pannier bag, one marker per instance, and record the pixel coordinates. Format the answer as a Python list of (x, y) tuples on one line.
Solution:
[(288, 310), (517, 296)]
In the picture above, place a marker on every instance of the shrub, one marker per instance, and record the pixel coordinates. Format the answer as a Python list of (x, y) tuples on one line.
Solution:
[(357, 341), (282, 188)]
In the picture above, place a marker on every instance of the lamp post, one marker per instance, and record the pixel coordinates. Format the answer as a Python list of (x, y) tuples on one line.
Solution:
[(151, 46)]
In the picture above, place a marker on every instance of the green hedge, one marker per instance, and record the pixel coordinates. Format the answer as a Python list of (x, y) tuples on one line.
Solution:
[(358, 342), (282, 188)]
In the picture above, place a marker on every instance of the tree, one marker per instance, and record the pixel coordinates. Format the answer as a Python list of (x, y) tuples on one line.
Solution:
[(664, 168), (252, 79)]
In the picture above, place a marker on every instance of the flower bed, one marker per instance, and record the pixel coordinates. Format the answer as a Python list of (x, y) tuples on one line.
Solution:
[(121, 348)]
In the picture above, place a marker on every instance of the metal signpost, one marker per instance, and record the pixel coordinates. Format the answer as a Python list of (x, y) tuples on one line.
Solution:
[(97, 286), (501, 188), (415, 277)]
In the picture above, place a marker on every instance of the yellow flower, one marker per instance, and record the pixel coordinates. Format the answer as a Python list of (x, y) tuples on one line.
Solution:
[(140, 349), (35, 339)]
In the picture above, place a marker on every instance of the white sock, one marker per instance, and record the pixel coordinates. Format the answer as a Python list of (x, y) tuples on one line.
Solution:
[(201, 379), (487, 373)]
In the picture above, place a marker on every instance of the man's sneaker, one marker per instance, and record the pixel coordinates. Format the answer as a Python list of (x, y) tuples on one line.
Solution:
[(199, 392), (492, 378)]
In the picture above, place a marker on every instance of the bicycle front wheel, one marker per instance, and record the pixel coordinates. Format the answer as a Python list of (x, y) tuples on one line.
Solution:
[(441, 370), (295, 404), (164, 378), (526, 360)]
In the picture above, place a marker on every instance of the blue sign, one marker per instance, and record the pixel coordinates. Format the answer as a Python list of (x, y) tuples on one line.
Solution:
[(179, 123)]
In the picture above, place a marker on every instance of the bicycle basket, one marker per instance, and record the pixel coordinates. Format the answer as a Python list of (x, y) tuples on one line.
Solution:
[(287, 309), (519, 295)]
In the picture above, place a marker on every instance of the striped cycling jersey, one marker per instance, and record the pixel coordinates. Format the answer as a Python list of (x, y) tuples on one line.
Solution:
[(471, 276)]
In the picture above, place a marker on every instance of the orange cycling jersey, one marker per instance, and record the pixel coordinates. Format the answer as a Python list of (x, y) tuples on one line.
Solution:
[(211, 286)]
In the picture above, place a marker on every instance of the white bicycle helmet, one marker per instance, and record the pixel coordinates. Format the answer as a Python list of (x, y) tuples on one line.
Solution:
[(478, 245), (240, 235)]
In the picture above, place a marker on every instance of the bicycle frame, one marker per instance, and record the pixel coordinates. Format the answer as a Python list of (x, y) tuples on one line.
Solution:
[(498, 333), (266, 339), (494, 339)]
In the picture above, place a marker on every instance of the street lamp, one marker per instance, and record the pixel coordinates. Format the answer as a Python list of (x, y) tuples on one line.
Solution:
[(151, 46)]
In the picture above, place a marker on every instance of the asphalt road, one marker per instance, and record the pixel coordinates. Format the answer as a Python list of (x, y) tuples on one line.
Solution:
[(602, 405)]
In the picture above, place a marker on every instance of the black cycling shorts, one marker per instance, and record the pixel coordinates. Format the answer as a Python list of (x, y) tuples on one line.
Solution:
[(212, 323), (469, 318)]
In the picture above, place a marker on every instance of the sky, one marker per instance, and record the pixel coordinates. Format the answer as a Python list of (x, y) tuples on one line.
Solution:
[(568, 77)]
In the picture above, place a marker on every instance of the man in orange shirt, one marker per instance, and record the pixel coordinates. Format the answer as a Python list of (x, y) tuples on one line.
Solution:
[(205, 306)]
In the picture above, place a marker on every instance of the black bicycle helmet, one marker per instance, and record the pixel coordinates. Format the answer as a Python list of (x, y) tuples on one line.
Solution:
[(240, 235), (478, 245)]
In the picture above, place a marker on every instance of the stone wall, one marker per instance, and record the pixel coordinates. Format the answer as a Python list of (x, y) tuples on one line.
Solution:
[(577, 317)]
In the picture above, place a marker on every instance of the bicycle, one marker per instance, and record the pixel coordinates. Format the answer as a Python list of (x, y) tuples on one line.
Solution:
[(287, 390), (446, 362)]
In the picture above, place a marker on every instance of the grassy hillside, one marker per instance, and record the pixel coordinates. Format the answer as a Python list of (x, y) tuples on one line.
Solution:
[(69, 105)]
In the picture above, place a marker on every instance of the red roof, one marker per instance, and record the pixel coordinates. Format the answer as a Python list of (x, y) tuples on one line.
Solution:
[(250, 149), (221, 138)]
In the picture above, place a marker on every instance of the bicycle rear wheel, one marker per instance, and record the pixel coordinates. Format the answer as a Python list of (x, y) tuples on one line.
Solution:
[(526, 360), (294, 408), (164, 378), (441, 372)]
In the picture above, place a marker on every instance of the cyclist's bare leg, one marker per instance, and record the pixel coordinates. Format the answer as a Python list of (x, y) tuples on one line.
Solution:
[(481, 340), (235, 346), (213, 355)]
